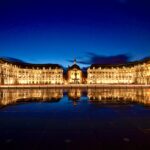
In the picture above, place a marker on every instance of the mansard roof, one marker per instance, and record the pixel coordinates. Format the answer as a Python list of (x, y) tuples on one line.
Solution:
[(22, 64), (74, 66), (129, 64)]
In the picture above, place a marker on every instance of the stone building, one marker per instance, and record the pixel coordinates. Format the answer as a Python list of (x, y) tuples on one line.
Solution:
[(74, 74), (25, 73), (12, 72), (130, 73)]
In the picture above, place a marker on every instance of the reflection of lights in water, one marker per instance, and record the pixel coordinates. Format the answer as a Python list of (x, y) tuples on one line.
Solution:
[(12, 96), (74, 94), (120, 95), (16, 95)]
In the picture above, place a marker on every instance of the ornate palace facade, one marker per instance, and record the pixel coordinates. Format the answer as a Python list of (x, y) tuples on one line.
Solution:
[(25, 73), (131, 73), (74, 74)]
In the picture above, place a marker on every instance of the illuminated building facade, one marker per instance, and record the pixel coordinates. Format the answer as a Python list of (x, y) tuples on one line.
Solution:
[(20, 73), (131, 73), (25, 73), (74, 74)]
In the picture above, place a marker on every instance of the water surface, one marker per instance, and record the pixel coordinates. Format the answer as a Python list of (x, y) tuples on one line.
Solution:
[(74, 119)]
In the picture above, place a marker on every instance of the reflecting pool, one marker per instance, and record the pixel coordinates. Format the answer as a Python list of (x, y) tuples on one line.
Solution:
[(71, 119)]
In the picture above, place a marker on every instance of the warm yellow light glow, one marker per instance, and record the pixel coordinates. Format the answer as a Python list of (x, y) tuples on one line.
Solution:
[(123, 95), (138, 73), (135, 74)]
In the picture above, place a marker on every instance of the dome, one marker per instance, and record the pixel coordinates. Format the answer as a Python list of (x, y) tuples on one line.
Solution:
[(74, 66)]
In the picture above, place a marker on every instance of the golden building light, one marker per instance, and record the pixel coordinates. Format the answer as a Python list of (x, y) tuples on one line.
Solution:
[(25, 73), (13, 73), (74, 74), (130, 73)]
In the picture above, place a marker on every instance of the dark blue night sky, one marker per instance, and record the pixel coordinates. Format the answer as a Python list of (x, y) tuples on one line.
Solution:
[(57, 31)]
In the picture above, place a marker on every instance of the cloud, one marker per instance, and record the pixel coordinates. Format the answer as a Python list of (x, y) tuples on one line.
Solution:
[(12, 59), (93, 58), (145, 58)]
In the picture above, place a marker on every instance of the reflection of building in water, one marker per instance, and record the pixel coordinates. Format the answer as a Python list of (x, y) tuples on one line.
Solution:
[(107, 95), (119, 95), (10, 96), (74, 94)]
